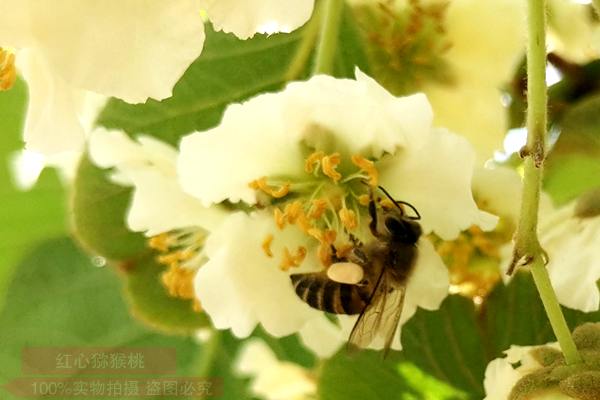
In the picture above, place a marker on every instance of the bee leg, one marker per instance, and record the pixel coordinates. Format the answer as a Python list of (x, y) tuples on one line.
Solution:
[(334, 255), (355, 241), (357, 256), (373, 214)]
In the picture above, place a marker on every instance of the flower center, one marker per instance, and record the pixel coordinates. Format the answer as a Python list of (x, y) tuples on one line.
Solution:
[(473, 260), (406, 44), (8, 72), (329, 199), (181, 251)]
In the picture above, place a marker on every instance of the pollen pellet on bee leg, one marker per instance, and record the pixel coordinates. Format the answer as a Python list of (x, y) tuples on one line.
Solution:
[(345, 272)]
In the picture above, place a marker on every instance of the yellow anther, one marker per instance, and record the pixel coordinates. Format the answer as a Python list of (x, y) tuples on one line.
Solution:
[(368, 166), (279, 217), (330, 164), (344, 250), (197, 307), (319, 206), (292, 211), (312, 161), (8, 71), (329, 236), (364, 199), (387, 203), (160, 242), (324, 237), (348, 218), (179, 282), (175, 257), (266, 245), (324, 254), (261, 184), (292, 260), (316, 233)]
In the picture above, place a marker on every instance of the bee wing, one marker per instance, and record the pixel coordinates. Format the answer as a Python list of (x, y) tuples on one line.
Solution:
[(381, 314)]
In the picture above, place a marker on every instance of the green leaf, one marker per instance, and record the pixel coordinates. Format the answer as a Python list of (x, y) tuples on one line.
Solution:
[(569, 176), (447, 344), (150, 302), (361, 376), (573, 165), (99, 209), (514, 314), (58, 298), (367, 376), (25, 216)]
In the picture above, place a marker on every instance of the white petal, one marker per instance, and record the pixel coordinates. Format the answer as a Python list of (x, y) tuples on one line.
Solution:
[(436, 178), (244, 18), (251, 142), (471, 110), (573, 247), (429, 282), (571, 32), (498, 190), (52, 124), (322, 337), (500, 377), (487, 39), (240, 286), (360, 114), (158, 203), (129, 49), (273, 379), (254, 357)]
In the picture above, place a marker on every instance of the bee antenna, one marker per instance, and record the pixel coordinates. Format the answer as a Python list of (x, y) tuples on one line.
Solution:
[(398, 202)]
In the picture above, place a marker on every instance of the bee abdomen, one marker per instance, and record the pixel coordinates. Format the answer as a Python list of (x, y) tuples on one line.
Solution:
[(321, 293)]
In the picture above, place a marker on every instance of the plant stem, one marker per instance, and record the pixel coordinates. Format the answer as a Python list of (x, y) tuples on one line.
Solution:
[(527, 247), (330, 25), (554, 312)]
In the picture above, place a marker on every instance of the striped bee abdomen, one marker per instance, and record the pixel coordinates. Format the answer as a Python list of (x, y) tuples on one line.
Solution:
[(322, 293)]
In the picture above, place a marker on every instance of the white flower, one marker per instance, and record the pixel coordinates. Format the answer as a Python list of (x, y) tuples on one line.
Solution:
[(131, 49), (273, 379), (572, 242), (268, 135), (244, 18), (460, 53), (486, 40), (574, 31), (158, 204), (240, 286), (305, 154)]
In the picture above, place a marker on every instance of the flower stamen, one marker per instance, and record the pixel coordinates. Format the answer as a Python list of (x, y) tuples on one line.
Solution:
[(330, 164), (368, 167), (8, 71), (266, 245), (348, 218), (312, 161), (292, 260), (277, 193), (318, 208), (180, 284)]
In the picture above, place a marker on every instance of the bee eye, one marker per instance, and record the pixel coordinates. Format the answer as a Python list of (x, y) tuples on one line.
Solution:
[(395, 227)]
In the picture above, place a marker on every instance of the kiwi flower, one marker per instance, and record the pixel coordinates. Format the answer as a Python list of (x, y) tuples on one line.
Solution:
[(300, 165), (571, 237), (128, 49)]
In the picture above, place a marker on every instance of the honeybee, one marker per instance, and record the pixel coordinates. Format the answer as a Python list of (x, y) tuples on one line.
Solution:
[(387, 262)]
